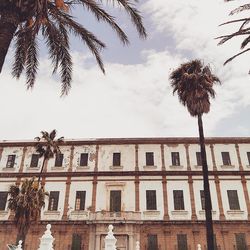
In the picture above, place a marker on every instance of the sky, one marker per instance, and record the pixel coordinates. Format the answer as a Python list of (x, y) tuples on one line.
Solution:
[(134, 97)]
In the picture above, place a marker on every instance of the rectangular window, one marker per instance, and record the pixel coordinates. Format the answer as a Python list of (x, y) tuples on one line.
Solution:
[(80, 200), (34, 160), (115, 201), (152, 242), (116, 159), (10, 161), (178, 200), (202, 195), (84, 159), (53, 200), (226, 158), (3, 200), (248, 157), (175, 158), (76, 242), (151, 200), (198, 159), (59, 160), (149, 159), (233, 200), (241, 243), (182, 242)]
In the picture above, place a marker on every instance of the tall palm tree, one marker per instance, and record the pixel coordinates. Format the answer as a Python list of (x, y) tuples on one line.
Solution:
[(26, 202), (24, 20), (243, 31), (193, 82), (47, 146)]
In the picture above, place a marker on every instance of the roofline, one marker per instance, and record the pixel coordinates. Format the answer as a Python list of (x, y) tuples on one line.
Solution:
[(120, 141)]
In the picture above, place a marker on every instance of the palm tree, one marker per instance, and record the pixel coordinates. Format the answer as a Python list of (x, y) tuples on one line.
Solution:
[(243, 31), (24, 20), (193, 82), (47, 146), (26, 202)]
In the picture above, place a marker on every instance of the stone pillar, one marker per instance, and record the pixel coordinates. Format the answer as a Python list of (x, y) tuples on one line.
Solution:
[(110, 240), (221, 210), (188, 157), (137, 182), (213, 157), (165, 197), (191, 191), (238, 157), (46, 241), (22, 160), (93, 205), (246, 195), (131, 241), (98, 242), (66, 200)]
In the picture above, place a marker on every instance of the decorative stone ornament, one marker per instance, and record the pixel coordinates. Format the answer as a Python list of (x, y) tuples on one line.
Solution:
[(137, 246), (19, 247), (46, 241), (110, 240), (199, 247)]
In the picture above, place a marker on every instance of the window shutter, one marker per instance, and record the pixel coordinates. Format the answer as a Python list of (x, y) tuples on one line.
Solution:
[(3, 200), (175, 158), (84, 159), (226, 158), (10, 161), (151, 200), (80, 200), (53, 200), (34, 160), (233, 200), (198, 158), (116, 159), (149, 159), (182, 242), (59, 160), (241, 241), (76, 242), (115, 201), (152, 242), (178, 200)]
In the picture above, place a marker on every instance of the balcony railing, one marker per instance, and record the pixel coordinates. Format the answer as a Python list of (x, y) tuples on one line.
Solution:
[(121, 216)]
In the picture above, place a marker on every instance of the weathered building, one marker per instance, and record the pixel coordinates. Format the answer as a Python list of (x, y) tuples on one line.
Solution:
[(151, 190)]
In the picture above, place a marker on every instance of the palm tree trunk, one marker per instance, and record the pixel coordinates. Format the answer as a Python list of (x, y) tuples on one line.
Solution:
[(8, 26), (208, 204), (39, 177)]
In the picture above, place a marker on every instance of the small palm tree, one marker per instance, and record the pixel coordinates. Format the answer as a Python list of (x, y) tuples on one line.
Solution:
[(26, 19), (47, 146), (26, 202), (193, 82), (243, 31)]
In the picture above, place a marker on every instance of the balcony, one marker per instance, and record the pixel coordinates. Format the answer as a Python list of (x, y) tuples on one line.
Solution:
[(117, 216)]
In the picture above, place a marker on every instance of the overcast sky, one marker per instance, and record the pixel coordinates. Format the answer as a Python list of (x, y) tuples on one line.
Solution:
[(134, 98)]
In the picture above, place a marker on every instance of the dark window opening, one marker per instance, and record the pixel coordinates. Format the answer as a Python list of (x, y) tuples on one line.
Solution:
[(175, 158), (151, 200), (178, 200), (241, 243), (149, 159), (248, 157), (53, 200), (59, 160), (80, 200), (10, 161), (116, 159), (34, 160), (152, 242), (76, 242), (182, 242), (84, 159), (3, 200), (198, 158), (226, 158), (115, 201), (233, 200), (202, 195)]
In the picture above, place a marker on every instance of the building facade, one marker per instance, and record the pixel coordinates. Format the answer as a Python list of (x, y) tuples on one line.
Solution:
[(150, 189)]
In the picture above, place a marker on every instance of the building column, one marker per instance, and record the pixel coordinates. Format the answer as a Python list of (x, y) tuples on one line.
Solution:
[(165, 197), (221, 210), (246, 195), (191, 191), (22, 160), (137, 181), (93, 205), (213, 157), (98, 242), (136, 158), (238, 157), (188, 157), (66, 200), (131, 243)]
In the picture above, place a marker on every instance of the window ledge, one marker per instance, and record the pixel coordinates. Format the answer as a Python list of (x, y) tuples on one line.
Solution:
[(151, 212), (82, 167), (176, 166), (179, 212), (9, 169), (227, 166), (202, 212), (58, 168), (116, 167), (78, 215), (149, 167), (30, 169), (198, 166), (53, 212), (235, 212), (51, 215)]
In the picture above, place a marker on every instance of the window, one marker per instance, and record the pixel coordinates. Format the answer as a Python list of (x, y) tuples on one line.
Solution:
[(84, 159), (152, 242), (151, 200), (248, 157), (59, 160), (198, 159), (3, 200), (240, 239), (53, 200), (76, 242), (80, 200), (226, 158), (182, 242), (149, 159), (116, 159), (10, 161), (34, 160), (233, 200), (202, 195), (115, 201), (178, 200), (175, 158)]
